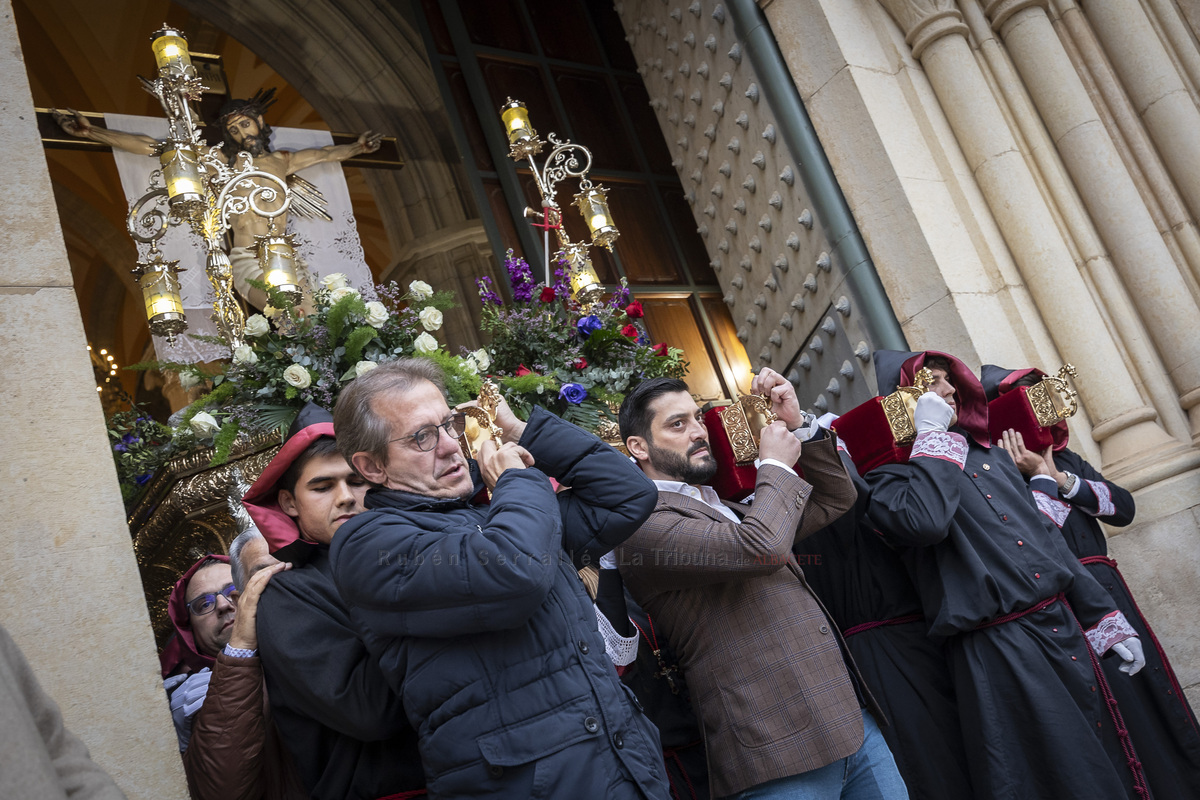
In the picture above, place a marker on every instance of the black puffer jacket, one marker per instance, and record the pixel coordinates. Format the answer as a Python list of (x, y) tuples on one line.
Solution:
[(481, 624)]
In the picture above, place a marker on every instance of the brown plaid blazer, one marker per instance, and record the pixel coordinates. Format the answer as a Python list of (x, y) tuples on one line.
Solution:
[(761, 657)]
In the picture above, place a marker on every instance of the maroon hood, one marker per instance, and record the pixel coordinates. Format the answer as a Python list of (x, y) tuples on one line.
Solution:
[(969, 397), (262, 501), (180, 654)]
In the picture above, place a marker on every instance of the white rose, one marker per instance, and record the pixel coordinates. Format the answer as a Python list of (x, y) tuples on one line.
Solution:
[(205, 424), (420, 290), (480, 359), (188, 380), (297, 376), (431, 318), (335, 281), (425, 344), (257, 325), (270, 311), (363, 367), (340, 292), (377, 314), (244, 354)]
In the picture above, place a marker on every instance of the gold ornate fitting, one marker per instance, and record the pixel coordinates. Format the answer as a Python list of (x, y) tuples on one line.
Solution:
[(1052, 399), (900, 406), (481, 420), (736, 419)]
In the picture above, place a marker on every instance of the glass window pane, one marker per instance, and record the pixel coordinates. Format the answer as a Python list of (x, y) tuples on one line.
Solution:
[(495, 23), (470, 120), (736, 363), (563, 31), (437, 27), (684, 224), (645, 125), (499, 206), (595, 121), (644, 248), (521, 82), (612, 36), (673, 321)]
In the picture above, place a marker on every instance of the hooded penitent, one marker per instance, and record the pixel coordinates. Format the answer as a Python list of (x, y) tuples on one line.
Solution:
[(262, 501), (969, 397), (1004, 414), (865, 429), (180, 654)]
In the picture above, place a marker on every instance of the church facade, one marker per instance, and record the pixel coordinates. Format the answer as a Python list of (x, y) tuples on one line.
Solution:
[(1013, 181)]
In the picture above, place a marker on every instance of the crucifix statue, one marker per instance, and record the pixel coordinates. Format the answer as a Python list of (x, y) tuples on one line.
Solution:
[(243, 129)]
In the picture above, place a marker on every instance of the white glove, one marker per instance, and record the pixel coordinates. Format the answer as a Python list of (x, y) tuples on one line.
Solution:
[(1130, 651), (186, 700), (609, 560), (808, 429), (932, 414)]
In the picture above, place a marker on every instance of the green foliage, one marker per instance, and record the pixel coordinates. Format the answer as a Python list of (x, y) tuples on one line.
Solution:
[(320, 351), (357, 340), (341, 312), (592, 355), (223, 441), (462, 382)]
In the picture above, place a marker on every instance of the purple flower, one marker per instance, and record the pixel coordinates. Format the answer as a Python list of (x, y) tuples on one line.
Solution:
[(520, 276), (486, 295), (141, 479), (589, 325), (573, 393)]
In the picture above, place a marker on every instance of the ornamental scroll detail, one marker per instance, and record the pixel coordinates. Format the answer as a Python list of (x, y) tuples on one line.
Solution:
[(899, 406), (736, 421), (1052, 399)]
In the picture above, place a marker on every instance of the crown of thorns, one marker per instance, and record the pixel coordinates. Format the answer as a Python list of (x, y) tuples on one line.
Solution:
[(256, 106)]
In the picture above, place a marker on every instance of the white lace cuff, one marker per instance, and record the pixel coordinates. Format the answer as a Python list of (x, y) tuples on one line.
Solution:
[(1108, 631), (1056, 510), (1104, 502), (941, 444), (620, 649)]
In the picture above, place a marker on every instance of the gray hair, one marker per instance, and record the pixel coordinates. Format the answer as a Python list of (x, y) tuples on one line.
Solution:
[(235, 556), (359, 429)]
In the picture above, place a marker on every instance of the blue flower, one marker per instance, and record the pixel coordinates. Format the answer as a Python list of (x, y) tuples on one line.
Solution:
[(589, 325), (572, 392), (141, 479)]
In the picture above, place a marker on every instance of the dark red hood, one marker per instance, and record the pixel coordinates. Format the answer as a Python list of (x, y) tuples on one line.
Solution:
[(999, 381), (262, 501), (969, 397), (180, 654)]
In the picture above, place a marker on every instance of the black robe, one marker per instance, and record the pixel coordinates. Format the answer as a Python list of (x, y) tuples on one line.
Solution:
[(862, 581), (1156, 712), (1033, 715), (347, 731)]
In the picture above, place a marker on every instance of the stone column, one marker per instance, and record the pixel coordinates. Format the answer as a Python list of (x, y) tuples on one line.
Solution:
[(1154, 85), (1125, 427), (72, 596), (1150, 274)]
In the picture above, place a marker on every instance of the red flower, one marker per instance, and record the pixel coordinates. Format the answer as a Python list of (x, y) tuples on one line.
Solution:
[(634, 310), (581, 363), (547, 294), (523, 370), (660, 349), (629, 331)]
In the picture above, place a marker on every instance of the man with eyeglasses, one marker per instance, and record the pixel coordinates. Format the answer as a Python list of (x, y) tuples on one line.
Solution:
[(215, 685), (475, 611)]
